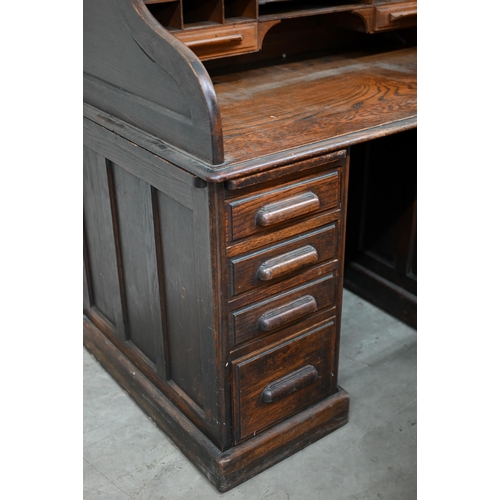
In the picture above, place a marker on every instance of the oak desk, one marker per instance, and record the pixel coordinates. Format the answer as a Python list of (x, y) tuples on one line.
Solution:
[(215, 198)]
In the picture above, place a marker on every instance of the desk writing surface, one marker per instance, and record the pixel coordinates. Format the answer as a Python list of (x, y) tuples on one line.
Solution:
[(277, 108)]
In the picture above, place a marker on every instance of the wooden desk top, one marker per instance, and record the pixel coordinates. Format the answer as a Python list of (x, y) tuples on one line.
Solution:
[(278, 108), (281, 113)]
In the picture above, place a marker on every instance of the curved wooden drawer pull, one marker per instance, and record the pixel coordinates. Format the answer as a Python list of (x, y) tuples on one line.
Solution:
[(396, 16), (289, 383), (292, 311), (287, 263), (287, 209), (214, 41)]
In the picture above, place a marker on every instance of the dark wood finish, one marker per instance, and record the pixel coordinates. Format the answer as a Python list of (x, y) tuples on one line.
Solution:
[(114, 79), (271, 320), (286, 209), (287, 263), (135, 208), (215, 208), (284, 310), (214, 42), (290, 13), (390, 15), (266, 238), (284, 260), (286, 159), (289, 383), (330, 100), (253, 214), (297, 168), (195, 12), (253, 375), (153, 244), (382, 225), (101, 253), (224, 469)]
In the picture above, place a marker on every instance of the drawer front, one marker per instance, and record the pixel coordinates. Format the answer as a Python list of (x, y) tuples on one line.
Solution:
[(283, 311), (283, 261), (276, 208), (393, 16), (220, 41), (278, 383)]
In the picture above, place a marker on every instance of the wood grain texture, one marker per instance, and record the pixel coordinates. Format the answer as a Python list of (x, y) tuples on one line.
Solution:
[(132, 68), (101, 247), (224, 469), (287, 263), (289, 383), (273, 209), (245, 322), (313, 100), (151, 250), (212, 343), (335, 159), (287, 313), (161, 174), (286, 159), (266, 238), (253, 375), (134, 201), (221, 41), (183, 328), (222, 318), (395, 15), (280, 261)]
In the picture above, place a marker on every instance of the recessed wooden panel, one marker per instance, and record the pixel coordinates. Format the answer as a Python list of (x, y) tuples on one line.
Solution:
[(272, 370), (140, 273), (101, 256), (182, 326)]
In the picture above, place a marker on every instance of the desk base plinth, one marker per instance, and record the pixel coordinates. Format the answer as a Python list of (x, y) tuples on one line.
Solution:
[(224, 469)]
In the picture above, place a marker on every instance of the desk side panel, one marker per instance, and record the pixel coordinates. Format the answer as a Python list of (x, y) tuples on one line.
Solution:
[(135, 70), (149, 274)]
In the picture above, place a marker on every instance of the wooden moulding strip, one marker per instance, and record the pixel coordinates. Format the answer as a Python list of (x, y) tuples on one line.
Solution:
[(229, 171), (224, 469)]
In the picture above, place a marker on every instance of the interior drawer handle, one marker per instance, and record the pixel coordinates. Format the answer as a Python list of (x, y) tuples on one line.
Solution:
[(289, 383), (396, 16), (286, 314), (287, 209), (287, 263), (215, 41)]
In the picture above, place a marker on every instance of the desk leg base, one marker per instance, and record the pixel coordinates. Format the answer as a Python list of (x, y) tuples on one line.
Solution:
[(224, 469)]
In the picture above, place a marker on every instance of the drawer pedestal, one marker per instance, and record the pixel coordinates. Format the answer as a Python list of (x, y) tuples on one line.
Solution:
[(217, 141), (215, 306), (224, 469)]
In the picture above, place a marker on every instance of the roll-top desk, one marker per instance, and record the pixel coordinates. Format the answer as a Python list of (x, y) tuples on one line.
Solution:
[(218, 138)]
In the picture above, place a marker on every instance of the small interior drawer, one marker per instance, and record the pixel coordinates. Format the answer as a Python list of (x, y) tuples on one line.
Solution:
[(280, 312), (274, 385), (220, 41), (283, 261), (395, 15), (278, 207)]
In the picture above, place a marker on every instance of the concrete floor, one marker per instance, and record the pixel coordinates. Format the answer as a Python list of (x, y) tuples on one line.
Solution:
[(373, 457)]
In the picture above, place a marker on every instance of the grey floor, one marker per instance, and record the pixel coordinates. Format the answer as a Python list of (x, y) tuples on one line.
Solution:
[(373, 457)]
